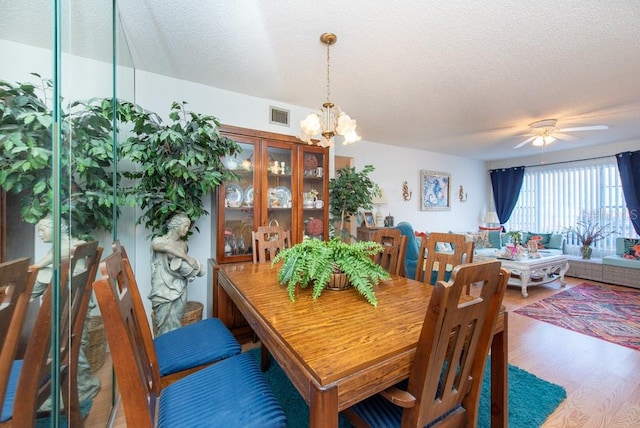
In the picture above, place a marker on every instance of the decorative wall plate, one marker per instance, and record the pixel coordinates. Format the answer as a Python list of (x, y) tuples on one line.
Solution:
[(248, 196), (233, 195)]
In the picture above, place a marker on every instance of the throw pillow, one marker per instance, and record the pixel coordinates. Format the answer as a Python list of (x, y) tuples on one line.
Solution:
[(479, 239), (537, 240), (444, 247), (495, 240), (544, 238), (631, 249), (555, 241)]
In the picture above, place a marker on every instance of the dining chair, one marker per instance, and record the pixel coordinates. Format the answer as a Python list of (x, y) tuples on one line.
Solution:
[(394, 245), (232, 392), (186, 349), (16, 283), (266, 241), (34, 385), (443, 388), (439, 253)]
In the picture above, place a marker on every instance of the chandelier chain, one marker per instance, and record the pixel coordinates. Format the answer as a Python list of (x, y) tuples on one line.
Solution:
[(328, 75)]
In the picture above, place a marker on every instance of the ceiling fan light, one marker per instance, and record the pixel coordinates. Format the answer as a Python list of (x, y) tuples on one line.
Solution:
[(538, 142)]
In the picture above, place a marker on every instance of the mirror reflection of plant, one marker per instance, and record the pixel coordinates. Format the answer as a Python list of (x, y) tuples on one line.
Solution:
[(351, 191), (179, 164), (86, 153)]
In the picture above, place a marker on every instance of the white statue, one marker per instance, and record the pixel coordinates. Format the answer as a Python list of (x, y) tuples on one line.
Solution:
[(67, 243), (88, 384), (171, 270)]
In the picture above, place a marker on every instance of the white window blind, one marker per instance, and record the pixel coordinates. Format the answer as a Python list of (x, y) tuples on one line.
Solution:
[(554, 197)]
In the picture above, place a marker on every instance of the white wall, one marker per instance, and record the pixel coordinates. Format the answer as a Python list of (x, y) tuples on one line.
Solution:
[(393, 165)]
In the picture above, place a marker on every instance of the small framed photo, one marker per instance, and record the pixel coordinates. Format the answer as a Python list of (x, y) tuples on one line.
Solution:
[(435, 191), (369, 219)]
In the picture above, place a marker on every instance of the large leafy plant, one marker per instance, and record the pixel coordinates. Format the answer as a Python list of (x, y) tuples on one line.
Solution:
[(86, 153), (179, 164), (313, 261), (351, 191)]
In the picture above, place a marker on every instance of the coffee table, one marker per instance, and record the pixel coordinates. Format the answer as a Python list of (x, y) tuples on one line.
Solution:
[(527, 271)]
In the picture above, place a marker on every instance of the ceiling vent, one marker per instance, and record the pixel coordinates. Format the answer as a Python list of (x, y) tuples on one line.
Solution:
[(278, 116)]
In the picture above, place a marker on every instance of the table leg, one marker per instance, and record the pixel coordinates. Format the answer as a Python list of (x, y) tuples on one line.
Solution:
[(563, 270), (499, 378), (524, 281), (323, 407)]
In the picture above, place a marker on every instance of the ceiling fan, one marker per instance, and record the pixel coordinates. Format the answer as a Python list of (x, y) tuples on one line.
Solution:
[(544, 132)]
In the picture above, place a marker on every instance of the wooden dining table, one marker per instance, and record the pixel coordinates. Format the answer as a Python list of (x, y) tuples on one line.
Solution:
[(338, 350)]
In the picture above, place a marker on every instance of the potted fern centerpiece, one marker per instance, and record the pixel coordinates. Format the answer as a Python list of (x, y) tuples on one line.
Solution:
[(331, 264)]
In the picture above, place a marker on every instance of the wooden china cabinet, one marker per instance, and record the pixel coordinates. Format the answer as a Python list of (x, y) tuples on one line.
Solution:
[(281, 181)]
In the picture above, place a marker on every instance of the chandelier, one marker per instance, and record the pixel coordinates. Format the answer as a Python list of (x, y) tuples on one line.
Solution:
[(329, 120)]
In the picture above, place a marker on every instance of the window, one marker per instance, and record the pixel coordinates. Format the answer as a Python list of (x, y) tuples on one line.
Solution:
[(554, 197)]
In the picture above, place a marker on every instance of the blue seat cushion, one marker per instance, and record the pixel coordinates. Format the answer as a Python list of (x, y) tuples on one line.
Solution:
[(231, 393), (193, 345), (10, 396), (379, 412)]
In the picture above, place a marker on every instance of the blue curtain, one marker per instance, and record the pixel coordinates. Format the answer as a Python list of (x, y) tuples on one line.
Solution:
[(629, 169), (506, 184)]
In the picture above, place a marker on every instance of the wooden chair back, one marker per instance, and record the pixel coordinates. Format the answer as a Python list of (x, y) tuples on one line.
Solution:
[(136, 368), (447, 374), (77, 272), (16, 283), (447, 371), (394, 247), (129, 281), (267, 241), (439, 254)]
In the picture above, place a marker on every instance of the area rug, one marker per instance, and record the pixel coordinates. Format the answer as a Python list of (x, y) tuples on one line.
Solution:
[(594, 310), (522, 387)]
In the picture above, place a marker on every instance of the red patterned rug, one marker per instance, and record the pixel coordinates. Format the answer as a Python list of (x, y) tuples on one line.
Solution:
[(598, 311)]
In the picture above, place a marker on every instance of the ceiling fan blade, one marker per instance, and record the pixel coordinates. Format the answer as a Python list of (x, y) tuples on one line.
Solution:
[(527, 141), (565, 137), (584, 128)]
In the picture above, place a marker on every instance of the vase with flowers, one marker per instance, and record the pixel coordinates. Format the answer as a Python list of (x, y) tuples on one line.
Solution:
[(587, 232)]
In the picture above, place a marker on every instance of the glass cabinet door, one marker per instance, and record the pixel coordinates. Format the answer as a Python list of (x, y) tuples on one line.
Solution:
[(278, 198), (315, 195), (238, 199)]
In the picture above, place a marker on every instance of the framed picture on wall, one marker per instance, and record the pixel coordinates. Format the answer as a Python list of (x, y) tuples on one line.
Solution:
[(369, 219), (435, 191)]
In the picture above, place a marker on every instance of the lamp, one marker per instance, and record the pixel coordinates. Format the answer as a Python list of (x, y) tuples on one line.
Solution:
[(329, 120), (492, 219), (377, 201)]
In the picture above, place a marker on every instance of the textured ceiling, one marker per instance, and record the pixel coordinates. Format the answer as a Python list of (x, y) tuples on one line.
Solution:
[(464, 77)]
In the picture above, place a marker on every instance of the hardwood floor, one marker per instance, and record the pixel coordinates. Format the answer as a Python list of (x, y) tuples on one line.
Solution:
[(602, 379)]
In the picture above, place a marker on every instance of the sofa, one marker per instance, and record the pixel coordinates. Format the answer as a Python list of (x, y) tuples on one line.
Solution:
[(627, 254), (489, 242)]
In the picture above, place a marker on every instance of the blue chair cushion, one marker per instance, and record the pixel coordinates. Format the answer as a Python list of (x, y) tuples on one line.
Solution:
[(231, 393), (193, 345), (10, 396), (379, 412), (411, 254)]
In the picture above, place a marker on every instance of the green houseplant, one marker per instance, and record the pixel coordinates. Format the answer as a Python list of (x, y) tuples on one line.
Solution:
[(351, 191), (86, 151), (314, 261), (179, 164)]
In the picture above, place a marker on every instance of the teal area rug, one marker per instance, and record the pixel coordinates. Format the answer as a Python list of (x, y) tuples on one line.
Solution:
[(531, 399), (85, 407)]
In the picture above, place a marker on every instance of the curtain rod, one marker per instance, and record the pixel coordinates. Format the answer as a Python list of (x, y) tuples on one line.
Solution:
[(571, 161)]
